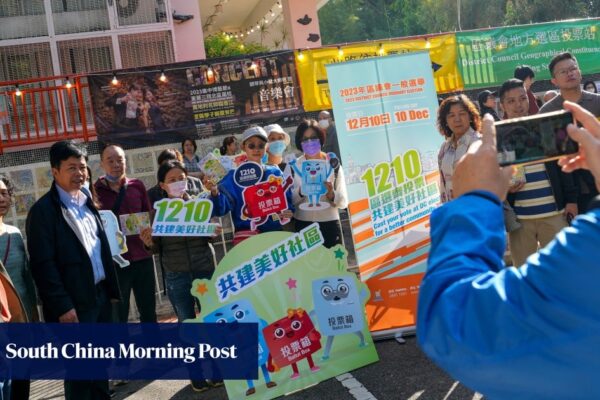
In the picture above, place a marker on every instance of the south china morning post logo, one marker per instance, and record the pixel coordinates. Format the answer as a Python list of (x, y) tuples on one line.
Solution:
[(128, 351)]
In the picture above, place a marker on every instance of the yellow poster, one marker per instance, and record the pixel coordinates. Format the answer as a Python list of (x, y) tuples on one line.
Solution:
[(313, 76)]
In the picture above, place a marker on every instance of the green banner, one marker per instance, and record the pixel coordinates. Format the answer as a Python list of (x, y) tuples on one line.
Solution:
[(488, 58)]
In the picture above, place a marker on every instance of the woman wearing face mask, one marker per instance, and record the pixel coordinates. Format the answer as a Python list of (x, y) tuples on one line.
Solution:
[(279, 140), (459, 121), (227, 196), (184, 258), (310, 137)]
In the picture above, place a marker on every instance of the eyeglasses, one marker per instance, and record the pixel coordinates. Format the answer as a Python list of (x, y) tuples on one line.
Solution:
[(565, 72), (306, 139), (253, 146)]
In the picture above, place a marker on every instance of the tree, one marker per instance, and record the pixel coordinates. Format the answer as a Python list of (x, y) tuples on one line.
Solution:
[(221, 45), (357, 20)]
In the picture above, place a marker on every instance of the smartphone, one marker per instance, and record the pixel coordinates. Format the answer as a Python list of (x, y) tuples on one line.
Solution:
[(534, 139)]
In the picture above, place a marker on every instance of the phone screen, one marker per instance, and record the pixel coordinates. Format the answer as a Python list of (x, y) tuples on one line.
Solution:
[(533, 139)]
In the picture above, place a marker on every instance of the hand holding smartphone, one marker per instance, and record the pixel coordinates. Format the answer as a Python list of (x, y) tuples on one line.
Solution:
[(534, 139)]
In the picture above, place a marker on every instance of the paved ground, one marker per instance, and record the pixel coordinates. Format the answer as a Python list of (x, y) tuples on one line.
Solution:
[(403, 372)]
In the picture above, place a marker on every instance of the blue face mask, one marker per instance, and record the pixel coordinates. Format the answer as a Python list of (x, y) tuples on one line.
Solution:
[(112, 179), (277, 147)]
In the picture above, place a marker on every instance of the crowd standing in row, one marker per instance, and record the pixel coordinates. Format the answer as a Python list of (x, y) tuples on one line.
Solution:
[(545, 199), (70, 266)]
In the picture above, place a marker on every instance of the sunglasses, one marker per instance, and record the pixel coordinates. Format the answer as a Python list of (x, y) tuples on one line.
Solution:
[(260, 146), (306, 139)]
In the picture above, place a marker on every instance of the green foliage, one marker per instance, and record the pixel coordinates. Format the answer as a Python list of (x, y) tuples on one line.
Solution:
[(344, 21), (219, 45)]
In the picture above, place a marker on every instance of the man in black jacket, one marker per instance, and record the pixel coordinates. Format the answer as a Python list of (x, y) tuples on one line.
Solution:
[(70, 256)]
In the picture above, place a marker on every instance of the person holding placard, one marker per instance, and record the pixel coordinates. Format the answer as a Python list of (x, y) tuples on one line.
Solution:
[(128, 200), (319, 189), (184, 258), (254, 193)]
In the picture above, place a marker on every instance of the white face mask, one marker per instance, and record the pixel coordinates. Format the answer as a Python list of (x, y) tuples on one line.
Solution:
[(176, 189), (86, 184), (324, 123)]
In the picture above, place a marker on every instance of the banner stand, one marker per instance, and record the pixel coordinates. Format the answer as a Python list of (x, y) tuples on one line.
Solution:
[(398, 334)]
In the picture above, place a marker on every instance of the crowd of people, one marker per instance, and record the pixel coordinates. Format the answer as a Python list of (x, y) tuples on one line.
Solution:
[(67, 265), (544, 199), (527, 332)]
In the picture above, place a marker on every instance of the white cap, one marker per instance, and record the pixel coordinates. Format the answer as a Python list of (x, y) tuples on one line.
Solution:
[(278, 129), (254, 131)]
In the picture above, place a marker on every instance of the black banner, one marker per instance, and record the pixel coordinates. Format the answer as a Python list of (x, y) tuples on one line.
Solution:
[(199, 99)]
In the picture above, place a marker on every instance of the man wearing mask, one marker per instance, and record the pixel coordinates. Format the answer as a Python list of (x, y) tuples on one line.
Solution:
[(566, 75), (547, 197), (125, 197), (331, 141), (70, 255)]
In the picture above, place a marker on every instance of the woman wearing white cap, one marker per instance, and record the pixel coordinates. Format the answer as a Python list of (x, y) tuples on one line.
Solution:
[(279, 140), (228, 196)]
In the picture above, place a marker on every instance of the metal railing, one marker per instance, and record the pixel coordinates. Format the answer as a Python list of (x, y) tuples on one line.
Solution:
[(45, 110)]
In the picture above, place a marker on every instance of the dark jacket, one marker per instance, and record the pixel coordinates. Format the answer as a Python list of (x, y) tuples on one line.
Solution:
[(491, 111), (184, 253), (60, 265), (563, 186)]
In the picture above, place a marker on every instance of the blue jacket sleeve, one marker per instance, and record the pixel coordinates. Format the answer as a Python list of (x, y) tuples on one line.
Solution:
[(518, 333)]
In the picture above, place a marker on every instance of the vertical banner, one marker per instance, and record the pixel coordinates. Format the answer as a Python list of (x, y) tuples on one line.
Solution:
[(488, 58), (308, 307), (313, 75), (385, 110)]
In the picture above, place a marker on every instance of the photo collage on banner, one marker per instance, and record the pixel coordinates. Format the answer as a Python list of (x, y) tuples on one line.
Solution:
[(195, 99), (309, 309), (386, 112)]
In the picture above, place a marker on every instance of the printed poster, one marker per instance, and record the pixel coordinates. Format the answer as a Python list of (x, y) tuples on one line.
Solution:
[(386, 110), (198, 98), (309, 308), (178, 217), (313, 75), (488, 58), (261, 198), (132, 224)]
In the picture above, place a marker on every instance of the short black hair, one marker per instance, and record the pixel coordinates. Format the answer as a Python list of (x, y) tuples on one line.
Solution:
[(168, 165), (509, 85), (523, 72), (169, 154), (190, 140), (63, 150), (303, 127), (558, 58)]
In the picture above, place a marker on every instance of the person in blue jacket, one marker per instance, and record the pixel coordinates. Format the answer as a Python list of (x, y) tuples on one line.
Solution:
[(513, 333), (228, 195)]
